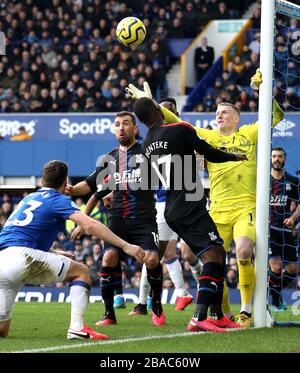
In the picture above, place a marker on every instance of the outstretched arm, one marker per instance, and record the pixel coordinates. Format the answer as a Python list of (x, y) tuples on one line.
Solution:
[(91, 204), (214, 155), (95, 228), (80, 189), (278, 113), (211, 154)]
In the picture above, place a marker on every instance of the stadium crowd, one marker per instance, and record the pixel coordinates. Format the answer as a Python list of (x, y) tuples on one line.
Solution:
[(62, 55), (233, 85)]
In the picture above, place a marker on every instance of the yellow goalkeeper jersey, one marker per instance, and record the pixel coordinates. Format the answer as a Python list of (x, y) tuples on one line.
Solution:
[(233, 184)]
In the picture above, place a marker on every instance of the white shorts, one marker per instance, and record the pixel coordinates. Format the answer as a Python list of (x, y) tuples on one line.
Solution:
[(165, 233), (22, 265)]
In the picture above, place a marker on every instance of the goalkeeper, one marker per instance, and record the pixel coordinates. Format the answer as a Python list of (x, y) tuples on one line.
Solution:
[(232, 188)]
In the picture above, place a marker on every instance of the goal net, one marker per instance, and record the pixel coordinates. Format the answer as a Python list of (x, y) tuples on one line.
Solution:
[(284, 252)]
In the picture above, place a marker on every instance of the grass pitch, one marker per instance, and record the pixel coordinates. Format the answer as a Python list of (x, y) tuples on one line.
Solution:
[(42, 327)]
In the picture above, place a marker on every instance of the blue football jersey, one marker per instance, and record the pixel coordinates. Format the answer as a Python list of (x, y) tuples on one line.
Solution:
[(37, 220)]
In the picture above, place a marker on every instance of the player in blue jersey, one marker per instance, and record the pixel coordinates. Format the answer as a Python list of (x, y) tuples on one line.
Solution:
[(132, 214), (25, 241), (283, 248)]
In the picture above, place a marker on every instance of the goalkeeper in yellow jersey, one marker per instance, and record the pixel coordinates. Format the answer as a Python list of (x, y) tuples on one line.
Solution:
[(233, 189)]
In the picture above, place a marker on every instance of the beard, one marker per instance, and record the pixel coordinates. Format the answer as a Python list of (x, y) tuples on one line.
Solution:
[(125, 142), (278, 166)]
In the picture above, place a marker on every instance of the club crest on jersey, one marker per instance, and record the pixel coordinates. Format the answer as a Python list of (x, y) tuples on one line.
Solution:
[(212, 236), (288, 186), (139, 158)]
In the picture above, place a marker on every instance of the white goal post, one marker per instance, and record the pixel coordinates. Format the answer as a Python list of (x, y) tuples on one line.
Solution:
[(268, 9)]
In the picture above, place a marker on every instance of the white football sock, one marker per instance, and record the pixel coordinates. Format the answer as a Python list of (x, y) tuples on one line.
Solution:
[(196, 270), (144, 286), (79, 295), (175, 272), (246, 308)]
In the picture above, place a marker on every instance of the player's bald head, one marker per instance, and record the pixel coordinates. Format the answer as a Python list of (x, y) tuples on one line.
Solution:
[(169, 103), (148, 112)]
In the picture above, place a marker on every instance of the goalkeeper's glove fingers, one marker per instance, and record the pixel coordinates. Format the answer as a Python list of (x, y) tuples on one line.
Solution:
[(256, 80), (131, 89), (136, 93), (147, 90)]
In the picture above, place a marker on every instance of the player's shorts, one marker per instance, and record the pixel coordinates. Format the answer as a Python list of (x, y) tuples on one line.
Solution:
[(200, 234), (282, 244), (235, 223), (22, 265), (140, 232), (165, 233)]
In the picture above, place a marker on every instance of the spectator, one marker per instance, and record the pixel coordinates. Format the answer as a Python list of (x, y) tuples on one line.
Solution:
[(5, 107), (97, 254), (204, 58), (79, 253), (167, 283), (93, 270), (6, 209), (222, 12), (256, 18), (175, 31), (22, 135), (231, 279), (254, 46)]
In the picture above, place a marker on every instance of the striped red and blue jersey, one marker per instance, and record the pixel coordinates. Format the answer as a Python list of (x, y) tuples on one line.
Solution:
[(284, 192), (126, 173)]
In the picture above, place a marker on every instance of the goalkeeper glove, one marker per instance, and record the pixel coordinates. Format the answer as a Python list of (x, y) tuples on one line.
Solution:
[(136, 93), (256, 80)]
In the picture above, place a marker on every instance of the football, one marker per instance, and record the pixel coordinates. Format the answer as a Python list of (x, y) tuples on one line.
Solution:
[(131, 31)]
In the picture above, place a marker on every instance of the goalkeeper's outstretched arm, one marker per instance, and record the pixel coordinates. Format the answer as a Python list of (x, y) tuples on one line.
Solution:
[(171, 117), (255, 82), (278, 113)]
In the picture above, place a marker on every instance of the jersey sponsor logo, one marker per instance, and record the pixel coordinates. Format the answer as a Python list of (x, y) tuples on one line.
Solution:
[(128, 176), (233, 150), (279, 200)]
